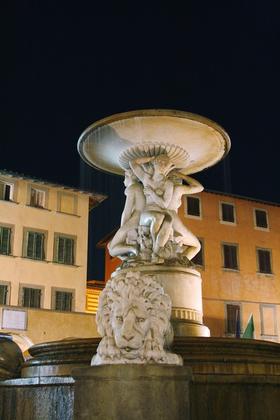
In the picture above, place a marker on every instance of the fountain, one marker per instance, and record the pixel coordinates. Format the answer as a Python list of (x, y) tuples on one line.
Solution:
[(136, 370), (156, 151)]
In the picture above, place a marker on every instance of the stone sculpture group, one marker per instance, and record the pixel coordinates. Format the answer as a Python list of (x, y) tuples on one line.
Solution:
[(134, 311), (151, 230)]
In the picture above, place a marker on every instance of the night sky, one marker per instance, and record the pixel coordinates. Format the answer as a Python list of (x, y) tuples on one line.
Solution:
[(72, 63)]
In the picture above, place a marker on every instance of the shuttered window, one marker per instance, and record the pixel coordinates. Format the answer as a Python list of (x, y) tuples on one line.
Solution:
[(227, 213), (233, 317), (63, 301), (31, 298), (5, 240), (261, 219), (3, 294), (6, 191), (193, 206), (37, 198), (264, 261), (35, 245), (230, 256), (64, 250)]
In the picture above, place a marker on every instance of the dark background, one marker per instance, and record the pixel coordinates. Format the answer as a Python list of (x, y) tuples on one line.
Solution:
[(68, 64)]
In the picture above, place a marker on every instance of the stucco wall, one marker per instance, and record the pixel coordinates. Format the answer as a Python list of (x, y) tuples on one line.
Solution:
[(45, 325), (19, 270)]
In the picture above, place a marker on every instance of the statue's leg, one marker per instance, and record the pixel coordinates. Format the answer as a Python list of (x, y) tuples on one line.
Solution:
[(156, 223), (186, 237), (118, 246), (164, 233)]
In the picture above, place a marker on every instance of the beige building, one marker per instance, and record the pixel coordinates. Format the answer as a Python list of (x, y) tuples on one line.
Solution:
[(43, 255)]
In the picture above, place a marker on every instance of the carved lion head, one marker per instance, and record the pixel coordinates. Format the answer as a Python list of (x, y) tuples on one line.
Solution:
[(134, 320)]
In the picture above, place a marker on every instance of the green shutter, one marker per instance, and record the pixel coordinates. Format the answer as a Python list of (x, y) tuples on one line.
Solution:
[(5, 240), (3, 294), (2, 191), (31, 297), (39, 246), (30, 244), (35, 246), (63, 301), (69, 251), (64, 249), (60, 250)]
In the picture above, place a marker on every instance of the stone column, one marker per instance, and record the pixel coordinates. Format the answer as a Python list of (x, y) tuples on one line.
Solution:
[(132, 392)]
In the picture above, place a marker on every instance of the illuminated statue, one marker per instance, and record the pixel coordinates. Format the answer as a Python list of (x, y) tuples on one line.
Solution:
[(124, 243), (134, 320)]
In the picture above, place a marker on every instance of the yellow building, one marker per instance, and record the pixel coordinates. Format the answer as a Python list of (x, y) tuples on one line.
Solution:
[(43, 257), (239, 261)]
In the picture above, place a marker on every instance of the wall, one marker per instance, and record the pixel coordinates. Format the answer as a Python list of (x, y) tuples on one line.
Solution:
[(45, 325), (18, 270), (246, 286)]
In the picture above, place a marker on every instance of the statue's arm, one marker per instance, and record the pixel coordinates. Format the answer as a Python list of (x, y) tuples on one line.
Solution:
[(165, 200), (194, 186), (128, 208), (135, 166)]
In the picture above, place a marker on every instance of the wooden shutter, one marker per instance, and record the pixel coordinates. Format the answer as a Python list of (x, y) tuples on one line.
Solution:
[(5, 240), (261, 218), (69, 245), (35, 245), (227, 212), (31, 297), (65, 250), (230, 256), (233, 311), (63, 301), (39, 246), (193, 206), (264, 261), (2, 185), (60, 249), (3, 294)]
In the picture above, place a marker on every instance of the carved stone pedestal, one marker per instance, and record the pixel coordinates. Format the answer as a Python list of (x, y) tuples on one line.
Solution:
[(132, 392), (183, 285)]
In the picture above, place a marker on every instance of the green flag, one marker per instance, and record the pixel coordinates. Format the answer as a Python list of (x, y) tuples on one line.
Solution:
[(249, 330)]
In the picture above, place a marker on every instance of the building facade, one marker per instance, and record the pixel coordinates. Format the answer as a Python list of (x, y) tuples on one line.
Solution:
[(43, 247), (239, 261)]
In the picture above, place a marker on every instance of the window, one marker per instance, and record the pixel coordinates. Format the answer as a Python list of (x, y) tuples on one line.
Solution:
[(233, 318), (199, 258), (193, 206), (34, 245), (6, 190), (268, 320), (67, 203), (37, 197), (64, 250), (3, 294), (227, 213), (31, 297), (230, 256), (261, 220), (264, 261), (62, 300), (5, 240)]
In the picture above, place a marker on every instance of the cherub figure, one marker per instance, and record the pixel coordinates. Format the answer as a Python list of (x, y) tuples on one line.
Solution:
[(158, 191), (124, 243), (182, 235)]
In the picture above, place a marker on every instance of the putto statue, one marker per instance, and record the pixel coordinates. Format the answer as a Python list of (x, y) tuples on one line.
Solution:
[(134, 320), (151, 230)]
